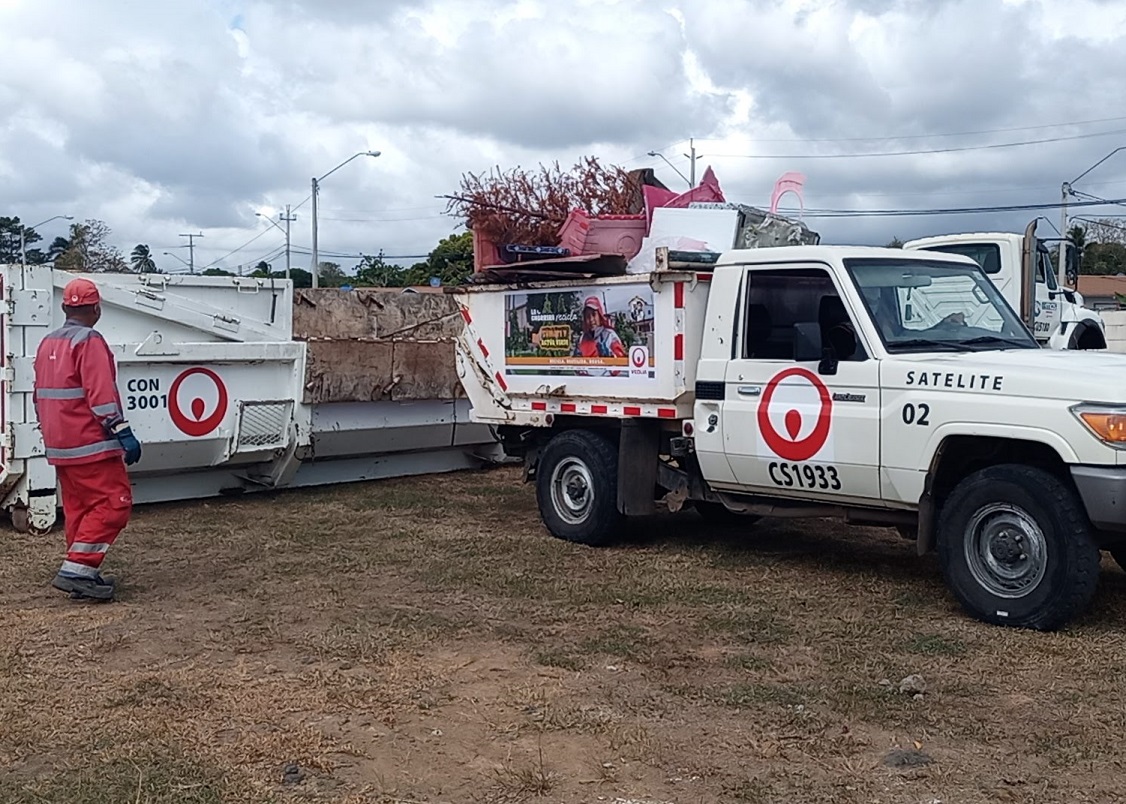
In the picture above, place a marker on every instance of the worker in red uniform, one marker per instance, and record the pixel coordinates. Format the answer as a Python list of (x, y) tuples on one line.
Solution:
[(86, 439)]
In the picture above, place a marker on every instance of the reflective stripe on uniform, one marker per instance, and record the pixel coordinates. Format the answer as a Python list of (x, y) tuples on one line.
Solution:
[(82, 452), (108, 409), (77, 570), (87, 547), (60, 393)]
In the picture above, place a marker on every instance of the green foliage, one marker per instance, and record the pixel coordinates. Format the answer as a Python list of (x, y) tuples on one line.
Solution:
[(332, 275), (10, 242), (375, 272), (1104, 258), (451, 261), (894, 243), (141, 259), (299, 276), (89, 250)]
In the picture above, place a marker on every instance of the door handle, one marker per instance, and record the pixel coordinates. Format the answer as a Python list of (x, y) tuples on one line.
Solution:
[(749, 390)]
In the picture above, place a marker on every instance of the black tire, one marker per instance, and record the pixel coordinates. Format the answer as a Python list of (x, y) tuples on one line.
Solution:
[(1016, 549), (719, 514), (1086, 336), (577, 488)]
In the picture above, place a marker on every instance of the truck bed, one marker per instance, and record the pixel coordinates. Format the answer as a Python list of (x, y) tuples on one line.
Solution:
[(371, 345), (522, 357)]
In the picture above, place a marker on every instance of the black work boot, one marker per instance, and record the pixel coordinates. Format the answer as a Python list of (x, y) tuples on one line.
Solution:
[(95, 588)]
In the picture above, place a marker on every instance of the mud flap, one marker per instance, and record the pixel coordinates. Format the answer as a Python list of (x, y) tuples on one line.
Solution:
[(638, 456)]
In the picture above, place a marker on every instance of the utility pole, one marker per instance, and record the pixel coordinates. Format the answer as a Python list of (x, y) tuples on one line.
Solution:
[(315, 268), (693, 156), (288, 218), (191, 250), (1061, 269)]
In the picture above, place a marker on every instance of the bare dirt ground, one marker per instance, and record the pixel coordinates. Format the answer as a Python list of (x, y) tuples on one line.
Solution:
[(424, 640)]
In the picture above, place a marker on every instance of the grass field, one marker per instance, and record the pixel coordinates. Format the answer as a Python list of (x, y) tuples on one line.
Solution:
[(424, 640)]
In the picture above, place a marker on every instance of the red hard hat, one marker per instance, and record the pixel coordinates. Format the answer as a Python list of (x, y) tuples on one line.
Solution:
[(80, 293)]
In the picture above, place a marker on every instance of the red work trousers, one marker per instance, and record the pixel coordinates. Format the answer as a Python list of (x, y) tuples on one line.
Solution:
[(97, 501)]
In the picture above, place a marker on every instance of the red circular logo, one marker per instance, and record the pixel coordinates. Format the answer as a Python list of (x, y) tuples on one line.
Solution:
[(637, 356), (197, 422), (790, 447)]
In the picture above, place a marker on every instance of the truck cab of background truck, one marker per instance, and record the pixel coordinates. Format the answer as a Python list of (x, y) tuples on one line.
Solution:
[(1061, 320)]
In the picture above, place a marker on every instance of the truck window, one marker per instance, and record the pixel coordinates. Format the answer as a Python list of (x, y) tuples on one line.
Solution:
[(922, 305), (987, 255), (1045, 271), (776, 299)]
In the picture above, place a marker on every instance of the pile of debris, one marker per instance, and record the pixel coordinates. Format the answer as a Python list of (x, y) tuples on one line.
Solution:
[(596, 221)]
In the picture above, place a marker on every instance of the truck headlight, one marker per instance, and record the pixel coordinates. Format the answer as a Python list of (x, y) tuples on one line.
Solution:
[(1107, 423)]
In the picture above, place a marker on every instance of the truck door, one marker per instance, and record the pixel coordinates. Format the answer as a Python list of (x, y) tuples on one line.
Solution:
[(1046, 307), (801, 428)]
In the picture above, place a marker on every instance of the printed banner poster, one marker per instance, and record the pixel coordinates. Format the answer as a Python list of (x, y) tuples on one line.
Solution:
[(590, 332)]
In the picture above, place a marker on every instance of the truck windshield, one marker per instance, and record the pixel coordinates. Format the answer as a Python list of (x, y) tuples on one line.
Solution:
[(923, 305)]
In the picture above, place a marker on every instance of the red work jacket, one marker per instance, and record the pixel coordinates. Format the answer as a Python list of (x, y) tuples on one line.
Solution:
[(76, 397)]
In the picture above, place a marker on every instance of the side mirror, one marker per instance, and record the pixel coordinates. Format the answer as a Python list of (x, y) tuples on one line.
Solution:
[(808, 347), (1073, 263)]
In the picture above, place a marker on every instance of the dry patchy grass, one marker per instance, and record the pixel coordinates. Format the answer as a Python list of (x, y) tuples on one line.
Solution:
[(423, 640)]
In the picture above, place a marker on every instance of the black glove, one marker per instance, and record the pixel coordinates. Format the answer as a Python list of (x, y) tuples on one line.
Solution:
[(130, 444)]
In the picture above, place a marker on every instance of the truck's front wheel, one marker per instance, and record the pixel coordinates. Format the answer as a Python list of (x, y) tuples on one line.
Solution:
[(1016, 549), (577, 488)]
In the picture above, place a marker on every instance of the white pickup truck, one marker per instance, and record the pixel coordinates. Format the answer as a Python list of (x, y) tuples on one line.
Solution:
[(802, 382), (1060, 321)]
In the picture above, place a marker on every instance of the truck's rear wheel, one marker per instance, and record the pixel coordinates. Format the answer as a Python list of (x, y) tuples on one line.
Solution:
[(1016, 549), (577, 488)]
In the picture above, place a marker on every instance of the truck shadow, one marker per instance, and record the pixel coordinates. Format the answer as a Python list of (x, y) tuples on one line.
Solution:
[(838, 550)]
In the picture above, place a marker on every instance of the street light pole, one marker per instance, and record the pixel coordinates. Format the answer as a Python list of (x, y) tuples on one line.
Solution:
[(674, 167), (288, 218), (181, 259), (316, 184), (1065, 191), (23, 234)]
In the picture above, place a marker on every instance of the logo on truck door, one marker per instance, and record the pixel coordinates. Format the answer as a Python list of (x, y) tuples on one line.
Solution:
[(795, 414), (197, 401)]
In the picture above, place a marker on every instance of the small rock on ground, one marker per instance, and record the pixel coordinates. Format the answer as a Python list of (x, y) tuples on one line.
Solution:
[(903, 758), (913, 685)]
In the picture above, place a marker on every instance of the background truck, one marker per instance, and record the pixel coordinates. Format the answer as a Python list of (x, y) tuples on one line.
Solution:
[(1060, 319), (813, 381), (234, 385)]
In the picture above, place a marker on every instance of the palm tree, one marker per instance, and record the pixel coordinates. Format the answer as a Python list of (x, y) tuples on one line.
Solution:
[(141, 259), (1078, 236)]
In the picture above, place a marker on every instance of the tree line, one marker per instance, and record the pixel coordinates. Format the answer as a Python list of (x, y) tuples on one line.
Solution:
[(87, 249)]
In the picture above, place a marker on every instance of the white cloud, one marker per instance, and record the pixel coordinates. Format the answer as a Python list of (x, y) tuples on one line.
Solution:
[(184, 116)]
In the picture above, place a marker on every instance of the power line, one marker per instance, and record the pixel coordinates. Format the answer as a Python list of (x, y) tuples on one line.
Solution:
[(383, 220), (881, 213), (240, 248), (923, 151), (1094, 198), (931, 136)]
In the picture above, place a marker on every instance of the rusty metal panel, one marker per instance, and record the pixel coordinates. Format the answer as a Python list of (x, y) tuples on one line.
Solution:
[(373, 313), (425, 370), (348, 371)]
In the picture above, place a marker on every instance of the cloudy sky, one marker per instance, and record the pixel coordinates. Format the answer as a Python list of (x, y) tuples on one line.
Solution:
[(162, 118)]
